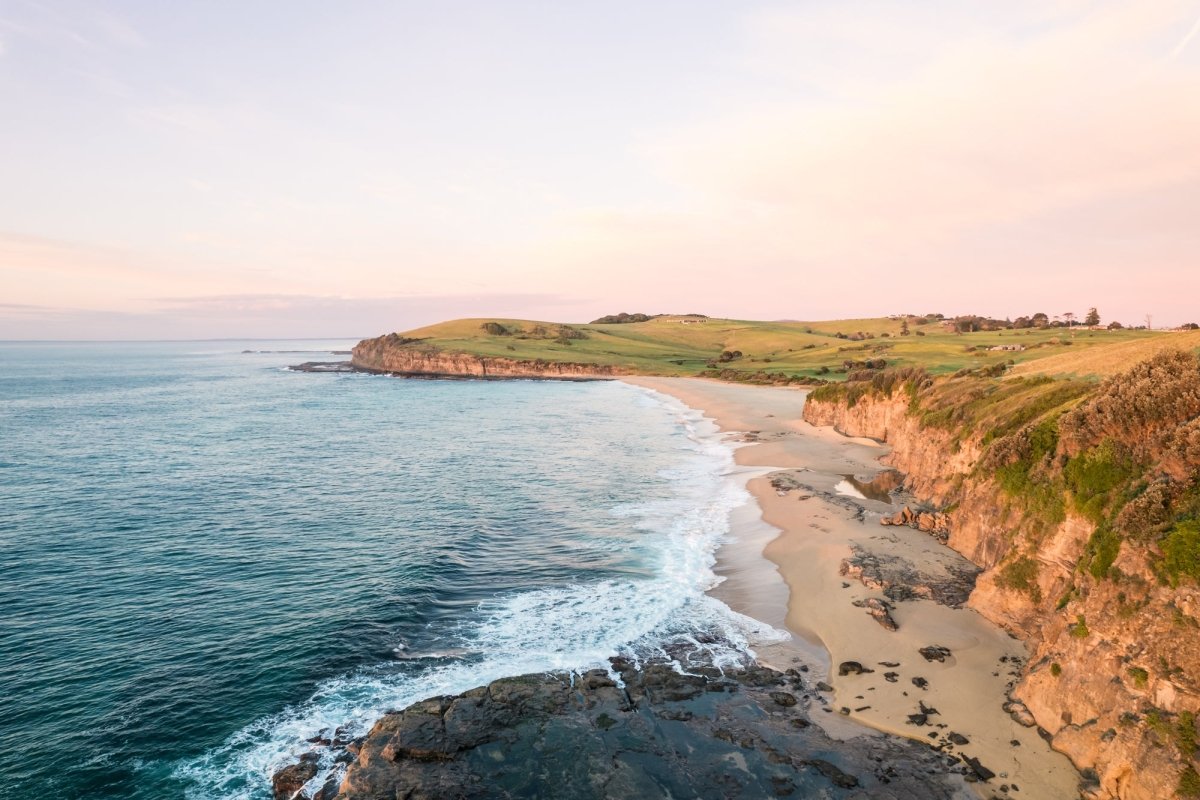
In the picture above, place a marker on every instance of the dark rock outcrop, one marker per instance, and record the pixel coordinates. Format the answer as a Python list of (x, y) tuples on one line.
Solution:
[(649, 732), (934, 652), (880, 610), (901, 579)]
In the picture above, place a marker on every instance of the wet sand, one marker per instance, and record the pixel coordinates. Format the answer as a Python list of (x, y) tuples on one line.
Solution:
[(807, 520)]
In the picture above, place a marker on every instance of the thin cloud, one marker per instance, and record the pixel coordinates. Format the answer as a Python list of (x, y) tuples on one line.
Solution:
[(1183, 43)]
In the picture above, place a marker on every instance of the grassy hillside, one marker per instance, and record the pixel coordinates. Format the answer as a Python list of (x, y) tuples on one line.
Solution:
[(1105, 361), (677, 345)]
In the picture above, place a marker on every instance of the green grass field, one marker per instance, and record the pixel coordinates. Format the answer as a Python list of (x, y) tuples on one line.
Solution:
[(674, 345)]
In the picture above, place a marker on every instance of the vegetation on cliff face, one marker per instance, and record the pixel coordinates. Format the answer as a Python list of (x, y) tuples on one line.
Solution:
[(1120, 458), (1125, 453)]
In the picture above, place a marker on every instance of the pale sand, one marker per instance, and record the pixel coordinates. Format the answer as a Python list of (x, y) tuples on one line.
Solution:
[(807, 539)]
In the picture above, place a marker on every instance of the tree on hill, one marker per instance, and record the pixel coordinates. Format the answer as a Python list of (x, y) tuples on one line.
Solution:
[(621, 319), (1093, 317), (1040, 320), (904, 327), (1069, 316)]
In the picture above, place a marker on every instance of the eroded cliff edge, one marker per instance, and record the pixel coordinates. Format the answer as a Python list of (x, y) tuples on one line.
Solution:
[(1080, 503), (393, 354)]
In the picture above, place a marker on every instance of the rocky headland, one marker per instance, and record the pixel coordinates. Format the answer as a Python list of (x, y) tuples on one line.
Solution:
[(396, 355), (654, 730)]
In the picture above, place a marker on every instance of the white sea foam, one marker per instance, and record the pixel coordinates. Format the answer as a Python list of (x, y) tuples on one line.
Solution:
[(576, 627)]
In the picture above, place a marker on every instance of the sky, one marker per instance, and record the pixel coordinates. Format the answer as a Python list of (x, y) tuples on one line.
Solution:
[(289, 169)]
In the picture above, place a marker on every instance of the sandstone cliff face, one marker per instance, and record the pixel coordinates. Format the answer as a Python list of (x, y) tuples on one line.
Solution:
[(1114, 672), (390, 354)]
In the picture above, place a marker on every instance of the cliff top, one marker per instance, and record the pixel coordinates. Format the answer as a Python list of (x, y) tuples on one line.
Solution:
[(817, 351)]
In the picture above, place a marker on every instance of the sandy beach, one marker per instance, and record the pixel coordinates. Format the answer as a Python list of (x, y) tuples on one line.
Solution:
[(786, 567)]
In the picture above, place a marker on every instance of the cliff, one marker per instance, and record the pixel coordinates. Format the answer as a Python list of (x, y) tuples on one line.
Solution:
[(1079, 502), (393, 354)]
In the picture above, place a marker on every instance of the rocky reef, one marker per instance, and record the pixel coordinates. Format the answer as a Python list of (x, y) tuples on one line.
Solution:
[(633, 731), (1075, 547), (396, 355)]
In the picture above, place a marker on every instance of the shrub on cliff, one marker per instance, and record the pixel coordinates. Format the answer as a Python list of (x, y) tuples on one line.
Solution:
[(883, 383), (1189, 782), (1021, 574), (1181, 551), (1150, 509), (1024, 466), (1095, 474), (396, 340), (1143, 407), (1181, 452)]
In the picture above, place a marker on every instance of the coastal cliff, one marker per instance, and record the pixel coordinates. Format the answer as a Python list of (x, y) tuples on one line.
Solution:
[(1079, 503), (396, 355)]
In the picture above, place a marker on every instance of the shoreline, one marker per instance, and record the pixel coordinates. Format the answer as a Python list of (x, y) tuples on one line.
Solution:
[(806, 521)]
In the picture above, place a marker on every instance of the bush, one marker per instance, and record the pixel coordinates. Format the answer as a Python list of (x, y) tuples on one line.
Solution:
[(1021, 575), (1149, 510), (1189, 783), (1185, 733), (1056, 669), (1094, 474), (1140, 677), (1102, 550), (495, 329), (1024, 471), (1141, 407), (1080, 629), (564, 332), (621, 319), (1181, 551)]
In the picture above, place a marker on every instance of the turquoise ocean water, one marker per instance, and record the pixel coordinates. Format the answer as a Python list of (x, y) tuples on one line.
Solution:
[(206, 559)]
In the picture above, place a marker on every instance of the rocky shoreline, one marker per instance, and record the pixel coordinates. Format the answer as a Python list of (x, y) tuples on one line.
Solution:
[(675, 727)]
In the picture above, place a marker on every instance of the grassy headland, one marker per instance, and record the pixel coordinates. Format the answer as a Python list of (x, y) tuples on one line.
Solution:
[(799, 352)]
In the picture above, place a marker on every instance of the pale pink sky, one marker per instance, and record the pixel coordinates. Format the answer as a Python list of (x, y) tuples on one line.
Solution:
[(313, 169)]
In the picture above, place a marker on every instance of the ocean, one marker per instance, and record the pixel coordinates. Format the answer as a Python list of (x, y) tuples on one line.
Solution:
[(208, 559)]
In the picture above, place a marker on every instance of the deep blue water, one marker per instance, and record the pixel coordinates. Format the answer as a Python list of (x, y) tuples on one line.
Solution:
[(206, 559)]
